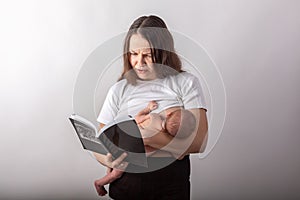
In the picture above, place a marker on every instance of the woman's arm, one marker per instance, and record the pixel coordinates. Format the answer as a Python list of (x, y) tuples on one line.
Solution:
[(180, 147), (200, 141), (107, 160)]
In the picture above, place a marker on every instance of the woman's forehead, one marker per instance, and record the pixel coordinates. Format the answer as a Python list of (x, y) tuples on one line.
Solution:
[(138, 43)]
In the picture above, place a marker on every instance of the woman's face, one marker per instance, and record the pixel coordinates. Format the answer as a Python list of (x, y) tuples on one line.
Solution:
[(140, 57)]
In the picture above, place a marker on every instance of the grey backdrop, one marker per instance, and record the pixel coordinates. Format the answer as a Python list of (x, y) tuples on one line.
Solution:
[(255, 43)]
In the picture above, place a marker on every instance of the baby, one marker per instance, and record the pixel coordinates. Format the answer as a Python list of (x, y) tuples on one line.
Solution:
[(179, 123)]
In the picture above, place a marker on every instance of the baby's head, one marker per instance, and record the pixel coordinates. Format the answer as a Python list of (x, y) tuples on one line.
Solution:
[(180, 122)]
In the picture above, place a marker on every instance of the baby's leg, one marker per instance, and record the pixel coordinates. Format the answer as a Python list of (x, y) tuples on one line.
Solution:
[(108, 178)]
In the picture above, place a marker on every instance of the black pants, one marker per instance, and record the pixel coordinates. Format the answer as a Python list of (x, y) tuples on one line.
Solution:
[(171, 182)]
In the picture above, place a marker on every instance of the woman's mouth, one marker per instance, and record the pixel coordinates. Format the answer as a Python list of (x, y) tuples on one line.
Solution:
[(141, 71)]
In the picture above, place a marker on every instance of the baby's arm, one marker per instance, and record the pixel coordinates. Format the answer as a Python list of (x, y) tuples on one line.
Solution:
[(143, 115)]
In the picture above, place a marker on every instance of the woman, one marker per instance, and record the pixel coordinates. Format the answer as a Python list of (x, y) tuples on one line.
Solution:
[(152, 71)]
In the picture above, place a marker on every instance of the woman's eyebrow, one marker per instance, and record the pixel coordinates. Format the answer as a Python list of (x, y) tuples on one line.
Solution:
[(144, 52)]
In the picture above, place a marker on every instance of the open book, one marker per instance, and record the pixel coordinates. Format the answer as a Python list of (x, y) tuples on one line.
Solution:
[(121, 135)]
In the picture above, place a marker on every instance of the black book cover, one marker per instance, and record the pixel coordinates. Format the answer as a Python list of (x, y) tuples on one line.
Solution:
[(116, 137)]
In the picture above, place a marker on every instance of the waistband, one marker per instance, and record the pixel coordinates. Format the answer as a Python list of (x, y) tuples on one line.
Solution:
[(158, 163)]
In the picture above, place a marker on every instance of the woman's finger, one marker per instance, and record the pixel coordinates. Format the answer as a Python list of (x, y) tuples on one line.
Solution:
[(122, 166), (119, 160), (108, 160)]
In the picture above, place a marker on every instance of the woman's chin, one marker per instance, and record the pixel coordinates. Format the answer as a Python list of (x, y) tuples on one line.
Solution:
[(145, 77)]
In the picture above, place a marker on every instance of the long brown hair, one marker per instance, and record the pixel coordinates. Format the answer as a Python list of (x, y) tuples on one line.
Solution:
[(155, 31)]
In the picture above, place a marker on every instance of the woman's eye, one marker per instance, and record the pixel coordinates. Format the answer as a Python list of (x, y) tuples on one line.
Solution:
[(143, 55)]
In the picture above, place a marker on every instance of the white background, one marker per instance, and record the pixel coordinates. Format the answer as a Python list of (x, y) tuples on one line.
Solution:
[(255, 44)]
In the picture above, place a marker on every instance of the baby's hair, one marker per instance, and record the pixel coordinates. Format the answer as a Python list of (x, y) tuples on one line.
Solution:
[(180, 121)]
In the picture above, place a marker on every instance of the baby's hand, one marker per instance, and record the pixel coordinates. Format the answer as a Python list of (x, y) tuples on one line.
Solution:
[(152, 105)]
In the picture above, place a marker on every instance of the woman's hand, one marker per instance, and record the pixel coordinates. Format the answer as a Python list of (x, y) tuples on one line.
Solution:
[(117, 163), (108, 161)]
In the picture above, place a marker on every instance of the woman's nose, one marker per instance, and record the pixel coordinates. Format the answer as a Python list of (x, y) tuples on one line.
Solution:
[(140, 60)]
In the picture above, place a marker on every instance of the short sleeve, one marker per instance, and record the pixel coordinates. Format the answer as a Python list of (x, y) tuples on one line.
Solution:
[(191, 92), (110, 108)]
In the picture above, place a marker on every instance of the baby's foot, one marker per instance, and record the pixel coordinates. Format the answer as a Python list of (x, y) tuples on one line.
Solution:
[(100, 189), (152, 105)]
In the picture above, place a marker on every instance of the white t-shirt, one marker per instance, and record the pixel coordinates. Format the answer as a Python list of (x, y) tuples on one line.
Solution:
[(124, 99)]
